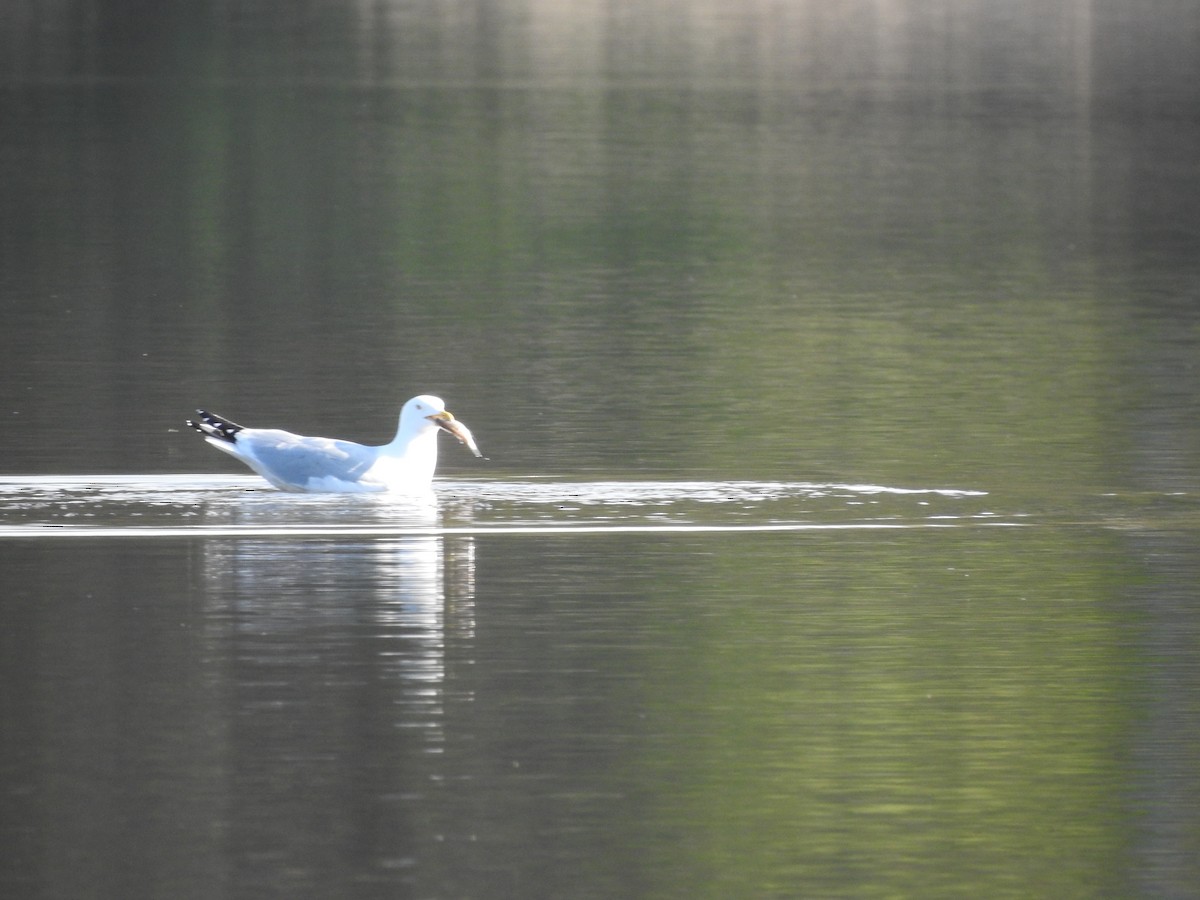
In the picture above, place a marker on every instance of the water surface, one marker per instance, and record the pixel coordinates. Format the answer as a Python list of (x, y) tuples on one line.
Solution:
[(723, 688), (836, 364)]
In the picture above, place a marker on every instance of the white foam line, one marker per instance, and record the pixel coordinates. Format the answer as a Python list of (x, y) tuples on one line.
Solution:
[(254, 484), (46, 531)]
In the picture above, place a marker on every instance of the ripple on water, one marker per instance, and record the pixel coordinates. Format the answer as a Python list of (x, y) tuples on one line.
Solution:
[(185, 505)]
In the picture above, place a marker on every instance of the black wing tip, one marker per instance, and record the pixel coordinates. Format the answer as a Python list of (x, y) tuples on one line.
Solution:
[(213, 426)]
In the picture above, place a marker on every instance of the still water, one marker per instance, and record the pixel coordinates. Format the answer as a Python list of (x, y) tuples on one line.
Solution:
[(592, 689), (589, 689), (837, 366)]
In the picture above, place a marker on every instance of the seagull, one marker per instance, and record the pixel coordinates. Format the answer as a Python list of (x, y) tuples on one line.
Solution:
[(293, 462)]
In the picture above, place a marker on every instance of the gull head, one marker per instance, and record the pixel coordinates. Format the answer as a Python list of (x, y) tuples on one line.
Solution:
[(427, 411)]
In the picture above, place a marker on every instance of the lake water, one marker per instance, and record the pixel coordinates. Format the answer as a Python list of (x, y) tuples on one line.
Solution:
[(837, 366)]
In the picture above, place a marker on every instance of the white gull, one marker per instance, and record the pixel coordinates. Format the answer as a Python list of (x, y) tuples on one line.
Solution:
[(294, 462)]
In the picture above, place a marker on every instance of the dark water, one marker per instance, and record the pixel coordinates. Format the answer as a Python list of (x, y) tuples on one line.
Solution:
[(837, 369)]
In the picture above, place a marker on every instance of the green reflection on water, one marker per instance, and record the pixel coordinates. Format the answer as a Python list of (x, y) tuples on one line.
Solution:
[(926, 716), (708, 239)]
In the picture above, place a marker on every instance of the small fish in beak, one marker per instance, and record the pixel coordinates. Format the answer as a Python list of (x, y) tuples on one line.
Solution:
[(447, 422)]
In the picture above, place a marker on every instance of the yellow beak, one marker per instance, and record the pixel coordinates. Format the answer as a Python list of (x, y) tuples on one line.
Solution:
[(446, 421)]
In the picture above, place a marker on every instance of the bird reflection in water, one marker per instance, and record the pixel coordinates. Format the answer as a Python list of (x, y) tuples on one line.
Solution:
[(337, 639)]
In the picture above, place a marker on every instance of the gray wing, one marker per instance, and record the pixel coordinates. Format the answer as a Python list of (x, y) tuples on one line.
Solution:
[(294, 460)]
